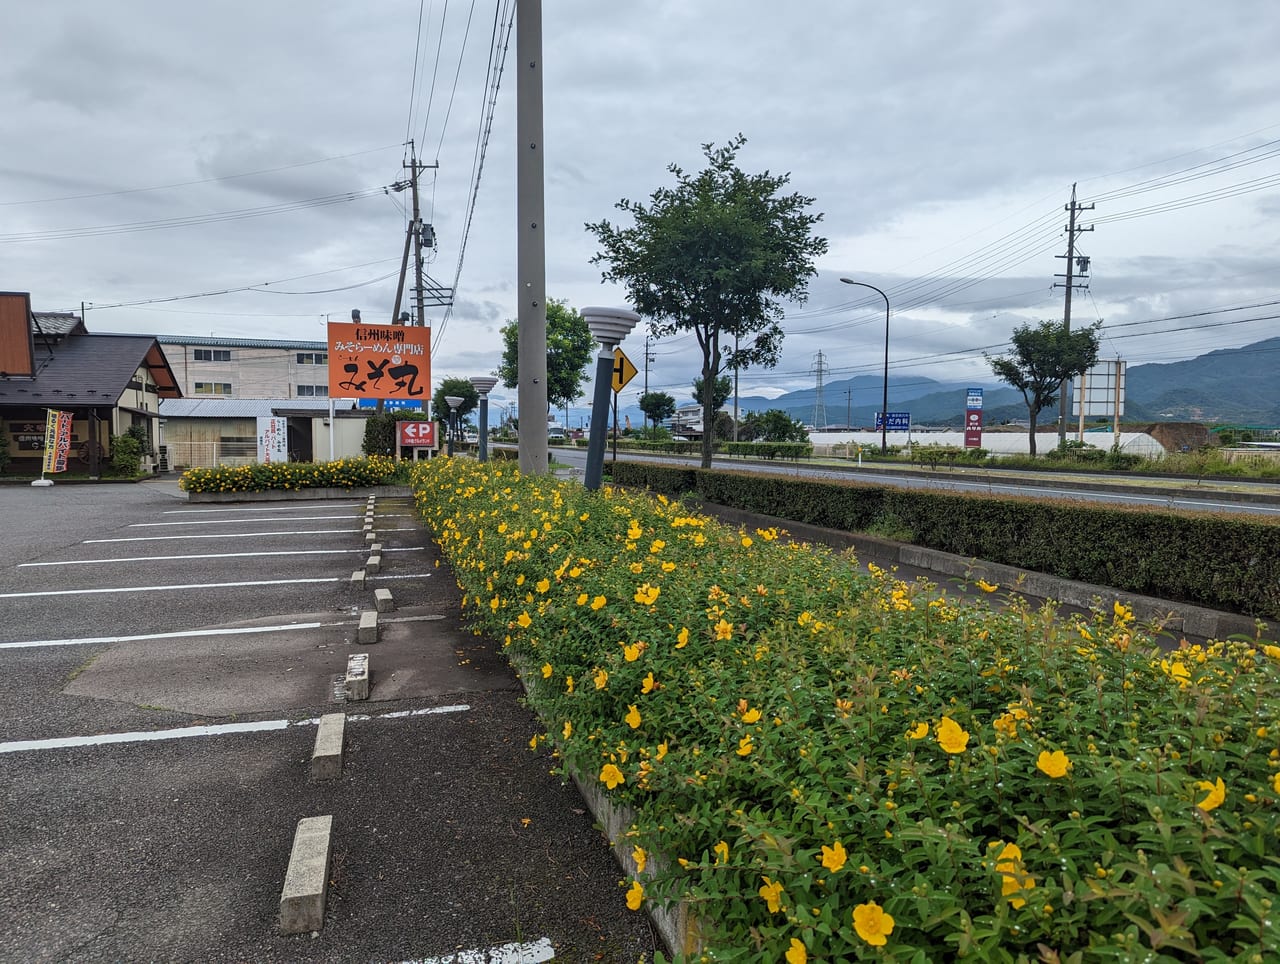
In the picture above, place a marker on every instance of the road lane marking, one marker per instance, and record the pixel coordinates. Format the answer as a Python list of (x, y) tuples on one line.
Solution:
[(214, 729), (272, 508), (214, 555), (195, 585), (244, 535), (526, 953), (198, 633), (222, 522)]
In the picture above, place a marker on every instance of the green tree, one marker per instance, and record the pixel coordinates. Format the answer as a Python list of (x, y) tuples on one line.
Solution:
[(569, 350), (773, 425), (1041, 359), (657, 406), (714, 255), (720, 393), (380, 430)]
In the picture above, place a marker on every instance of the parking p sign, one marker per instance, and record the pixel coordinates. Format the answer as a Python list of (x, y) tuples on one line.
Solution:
[(417, 434)]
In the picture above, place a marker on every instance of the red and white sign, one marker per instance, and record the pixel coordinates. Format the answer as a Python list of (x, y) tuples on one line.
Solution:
[(973, 428), (417, 434)]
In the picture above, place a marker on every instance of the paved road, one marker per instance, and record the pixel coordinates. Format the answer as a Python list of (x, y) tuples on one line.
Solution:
[(217, 632), (1253, 499)]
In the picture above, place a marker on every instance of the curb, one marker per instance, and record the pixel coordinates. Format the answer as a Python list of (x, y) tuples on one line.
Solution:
[(289, 495)]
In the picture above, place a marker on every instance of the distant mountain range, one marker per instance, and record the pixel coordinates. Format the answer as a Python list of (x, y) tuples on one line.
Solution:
[(1231, 385)]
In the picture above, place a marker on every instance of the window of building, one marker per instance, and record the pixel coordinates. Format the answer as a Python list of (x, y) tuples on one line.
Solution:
[(212, 354), (313, 391), (213, 388), (312, 358)]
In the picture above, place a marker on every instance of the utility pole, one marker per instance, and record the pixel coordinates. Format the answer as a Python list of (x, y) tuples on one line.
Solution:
[(649, 358), (531, 249), (1072, 230), (413, 237)]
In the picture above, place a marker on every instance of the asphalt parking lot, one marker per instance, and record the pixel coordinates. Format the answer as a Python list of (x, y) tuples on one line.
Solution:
[(164, 664)]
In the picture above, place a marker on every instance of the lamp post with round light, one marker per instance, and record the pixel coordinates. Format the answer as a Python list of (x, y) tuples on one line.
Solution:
[(483, 384), (609, 326), (454, 401), (884, 405)]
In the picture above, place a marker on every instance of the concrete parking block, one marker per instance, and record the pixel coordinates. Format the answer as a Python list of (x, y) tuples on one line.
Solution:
[(373, 565), (369, 536), (368, 632), (376, 549), (357, 679), (368, 527), (306, 884), (357, 579), (326, 756), (382, 600)]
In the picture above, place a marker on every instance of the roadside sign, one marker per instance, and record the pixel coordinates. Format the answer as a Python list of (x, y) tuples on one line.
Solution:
[(417, 434), (973, 399), (393, 404), (623, 370), (379, 361), (898, 421)]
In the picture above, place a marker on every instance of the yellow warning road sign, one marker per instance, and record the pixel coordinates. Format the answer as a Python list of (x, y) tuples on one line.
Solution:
[(623, 370)]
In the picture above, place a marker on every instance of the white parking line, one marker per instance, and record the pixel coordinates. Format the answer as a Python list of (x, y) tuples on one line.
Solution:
[(226, 522), (244, 535), (214, 555), (270, 508), (195, 585), (215, 729), (533, 953)]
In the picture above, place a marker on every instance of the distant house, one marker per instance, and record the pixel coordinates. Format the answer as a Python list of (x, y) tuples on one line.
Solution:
[(109, 383), (248, 367)]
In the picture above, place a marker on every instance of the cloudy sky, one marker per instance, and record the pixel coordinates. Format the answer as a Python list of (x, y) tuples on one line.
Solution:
[(158, 151)]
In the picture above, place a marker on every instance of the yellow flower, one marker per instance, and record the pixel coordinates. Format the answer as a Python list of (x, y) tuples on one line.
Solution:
[(611, 776), (746, 542), (647, 595), (1178, 671), (1054, 765), (640, 857), (833, 857), (662, 749), (1217, 792), (745, 746), (797, 954), (721, 850), (771, 891), (568, 729), (582, 599), (657, 546), (632, 717), (635, 896), (648, 684), (918, 732), (1122, 612), (601, 678), (631, 652), (1013, 873), (951, 737), (525, 620), (724, 630), (546, 671), (543, 585), (598, 602), (751, 716), (1272, 651), (682, 638), (872, 923), (568, 684), (1275, 783), (986, 586)]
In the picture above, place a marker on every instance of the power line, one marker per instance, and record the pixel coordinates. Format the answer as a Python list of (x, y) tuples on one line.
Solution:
[(413, 83), (466, 34)]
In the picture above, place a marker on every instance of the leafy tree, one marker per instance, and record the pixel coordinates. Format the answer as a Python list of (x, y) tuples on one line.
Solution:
[(657, 406), (1041, 359), (380, 430), (570, 348), (720, 392), (714, 255), (773, 425)]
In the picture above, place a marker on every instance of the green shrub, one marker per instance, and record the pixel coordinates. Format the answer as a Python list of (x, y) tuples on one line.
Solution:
[(1222, 561), (768, 450), (808, 747), (258, 477), (126, 456)]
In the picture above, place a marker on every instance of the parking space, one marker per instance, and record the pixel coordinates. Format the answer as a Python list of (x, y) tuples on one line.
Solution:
[(164, 666)]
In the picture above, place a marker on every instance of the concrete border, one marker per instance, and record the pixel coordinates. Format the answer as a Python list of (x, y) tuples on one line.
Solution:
[(368, 631), (382, 600), (356, 682), (306, 882), (293, 495)]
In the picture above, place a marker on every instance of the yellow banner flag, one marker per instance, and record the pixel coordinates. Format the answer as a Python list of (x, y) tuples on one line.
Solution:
[(57, 441)]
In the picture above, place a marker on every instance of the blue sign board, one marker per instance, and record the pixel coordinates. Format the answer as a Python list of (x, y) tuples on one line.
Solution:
[(898, 421), (973, 399), (393, 404)]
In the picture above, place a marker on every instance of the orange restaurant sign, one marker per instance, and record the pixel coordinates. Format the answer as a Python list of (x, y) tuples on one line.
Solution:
[(379, 361)]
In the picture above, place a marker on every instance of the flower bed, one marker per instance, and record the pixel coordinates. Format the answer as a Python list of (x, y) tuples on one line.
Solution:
[(259, 477), (836, 765)]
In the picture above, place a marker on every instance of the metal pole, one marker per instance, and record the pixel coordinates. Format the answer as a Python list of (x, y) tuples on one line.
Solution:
[(484, 428), (599, 423), (884, 405), (531, 314)]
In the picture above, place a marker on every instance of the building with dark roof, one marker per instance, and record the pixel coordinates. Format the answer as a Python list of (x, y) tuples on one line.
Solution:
[(109, 383)]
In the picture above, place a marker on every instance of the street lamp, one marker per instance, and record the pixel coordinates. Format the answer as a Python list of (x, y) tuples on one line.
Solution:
[(484, 385), (884, 405), (609, 326), (454, 401)]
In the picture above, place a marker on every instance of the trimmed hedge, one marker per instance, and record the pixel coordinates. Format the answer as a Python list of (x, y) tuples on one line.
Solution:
[(1207, 559)]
